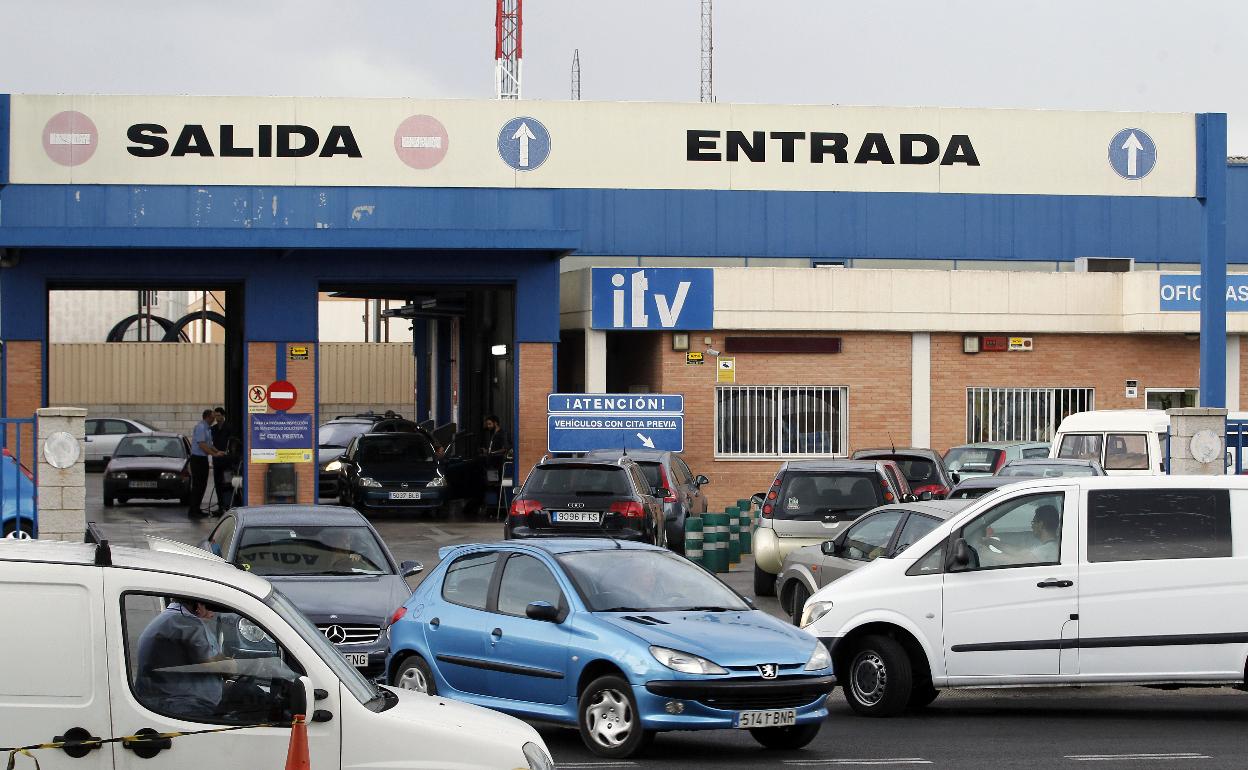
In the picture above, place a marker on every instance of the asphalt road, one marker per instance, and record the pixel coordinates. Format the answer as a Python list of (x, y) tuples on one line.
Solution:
[(1035, 728)]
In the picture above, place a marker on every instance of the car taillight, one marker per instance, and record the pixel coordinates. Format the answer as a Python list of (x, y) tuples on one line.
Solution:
[(888, 496), (671, 493), (767, 510), (525, 507), (1000, 462), (398, 615), (629, 509), (772, 494)]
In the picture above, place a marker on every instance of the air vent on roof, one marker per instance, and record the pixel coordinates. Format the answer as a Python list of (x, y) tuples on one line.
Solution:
[(1104, 264)]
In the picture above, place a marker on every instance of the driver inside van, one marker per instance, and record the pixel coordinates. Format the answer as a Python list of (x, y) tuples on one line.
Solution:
[(1044, 526)]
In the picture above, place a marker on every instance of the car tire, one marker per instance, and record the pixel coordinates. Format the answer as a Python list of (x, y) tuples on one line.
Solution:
[(123, 501), (11, 532), (608, 719), (786, 738), (879, 678), (798, 602), (414, 674), (109, 502), (922, 695), (764, 582)]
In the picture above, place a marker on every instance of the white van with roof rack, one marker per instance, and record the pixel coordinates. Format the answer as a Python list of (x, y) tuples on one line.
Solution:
[(1126, 442), (123, 642)]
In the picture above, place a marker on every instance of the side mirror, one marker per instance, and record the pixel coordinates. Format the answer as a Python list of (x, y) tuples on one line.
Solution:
[(955, 476), (758, 498), (662, 492), (299, 696), (750, 602), (910, 498), (409, 568), (961, 553), (830, 547), (701, 480), (925, 495), (542, 611)]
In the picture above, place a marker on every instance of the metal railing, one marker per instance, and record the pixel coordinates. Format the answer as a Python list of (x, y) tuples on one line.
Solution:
[(1235, 440), (19, 484)]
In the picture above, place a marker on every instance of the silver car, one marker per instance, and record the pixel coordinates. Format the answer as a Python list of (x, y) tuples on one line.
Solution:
[(885, 531), (103, 434)]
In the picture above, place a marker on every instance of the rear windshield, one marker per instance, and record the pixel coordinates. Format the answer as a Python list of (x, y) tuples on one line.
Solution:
[(578, 480), (652, 474), (815, 495), (395, 448), (918, 471), (973, 459)]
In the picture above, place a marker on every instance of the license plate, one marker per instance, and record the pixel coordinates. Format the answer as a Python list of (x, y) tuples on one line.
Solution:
[(576, 517), (142, 484), (404, 495), (773, 718), (357, 659)]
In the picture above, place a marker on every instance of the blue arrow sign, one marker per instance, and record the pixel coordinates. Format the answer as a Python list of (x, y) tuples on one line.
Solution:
[(1132, 153), (524, 143)]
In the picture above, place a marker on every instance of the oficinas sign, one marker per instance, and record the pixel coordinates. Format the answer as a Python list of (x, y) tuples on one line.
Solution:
[(821, 146), (151, 140)]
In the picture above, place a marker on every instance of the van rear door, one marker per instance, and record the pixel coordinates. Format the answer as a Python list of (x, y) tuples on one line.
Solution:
[(53, 668)]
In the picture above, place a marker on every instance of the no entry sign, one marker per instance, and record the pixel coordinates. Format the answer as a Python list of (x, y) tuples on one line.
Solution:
[(282, 396)]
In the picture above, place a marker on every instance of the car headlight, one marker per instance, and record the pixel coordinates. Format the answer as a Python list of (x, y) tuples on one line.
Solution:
[(684, 662), (119, 475), (814, 611), (333, 465), (819, 659), (251, 632), (437, 481), (168, 476), (538, 759), (368, 481)]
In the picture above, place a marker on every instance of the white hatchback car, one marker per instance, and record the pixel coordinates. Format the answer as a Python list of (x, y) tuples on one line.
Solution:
[(103, 434), (1065, 581)]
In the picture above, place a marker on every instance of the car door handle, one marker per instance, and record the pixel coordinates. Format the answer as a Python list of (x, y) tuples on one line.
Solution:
[(146, 743), (435, 623), (1055, 583), (496, 634), (78, 742)]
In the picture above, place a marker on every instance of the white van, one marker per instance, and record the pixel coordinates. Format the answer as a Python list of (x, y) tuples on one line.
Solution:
[(95, 643), (1126, 442), (1064, 581)]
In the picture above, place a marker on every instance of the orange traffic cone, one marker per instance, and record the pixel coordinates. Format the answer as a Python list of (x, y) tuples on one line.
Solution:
[(297, 754)]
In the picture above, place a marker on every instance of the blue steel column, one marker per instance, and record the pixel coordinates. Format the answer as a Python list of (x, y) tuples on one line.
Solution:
[(1211, 141)]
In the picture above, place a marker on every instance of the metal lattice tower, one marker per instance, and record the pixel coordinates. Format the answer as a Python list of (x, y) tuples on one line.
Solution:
[(708, 82), (508, 49), (576, 74)]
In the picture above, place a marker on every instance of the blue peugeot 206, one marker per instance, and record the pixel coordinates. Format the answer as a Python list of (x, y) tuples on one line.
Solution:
[(622, 640)]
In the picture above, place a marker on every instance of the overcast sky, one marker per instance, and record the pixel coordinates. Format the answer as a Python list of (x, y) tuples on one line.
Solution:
[(1145, 55)]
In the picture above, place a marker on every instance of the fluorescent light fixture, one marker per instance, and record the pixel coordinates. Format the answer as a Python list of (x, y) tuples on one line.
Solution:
[(498, 350)]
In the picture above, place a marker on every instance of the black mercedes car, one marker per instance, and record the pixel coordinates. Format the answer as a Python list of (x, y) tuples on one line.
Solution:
[(151, 466), (330, 562)]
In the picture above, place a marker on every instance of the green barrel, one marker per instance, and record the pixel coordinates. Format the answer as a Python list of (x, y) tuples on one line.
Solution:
[(745, 506), (746, 517), (694, 539), (715, 544), (734, 536)]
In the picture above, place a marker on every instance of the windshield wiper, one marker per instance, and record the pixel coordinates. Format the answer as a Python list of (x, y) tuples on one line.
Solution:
[(621, 609), (708, 608)]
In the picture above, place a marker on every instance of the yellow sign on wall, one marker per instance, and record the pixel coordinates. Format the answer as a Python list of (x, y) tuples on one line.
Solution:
[(726, 370)]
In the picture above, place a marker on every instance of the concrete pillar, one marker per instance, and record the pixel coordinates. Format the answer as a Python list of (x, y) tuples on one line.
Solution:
[(62, 492), (1197, 428), (595, 361), (1232, 372), (921, 389)]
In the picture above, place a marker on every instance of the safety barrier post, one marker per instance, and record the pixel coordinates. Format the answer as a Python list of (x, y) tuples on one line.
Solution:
[(694, 539), (715, 547), (734, 535), (745, 520)]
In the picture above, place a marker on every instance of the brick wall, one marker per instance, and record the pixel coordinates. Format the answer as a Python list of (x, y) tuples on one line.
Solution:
[(24, 383), (874, 366), (537, 372), (1102, 361)]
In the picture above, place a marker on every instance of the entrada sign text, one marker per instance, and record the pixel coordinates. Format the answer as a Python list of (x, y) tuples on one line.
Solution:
[(911, 149)]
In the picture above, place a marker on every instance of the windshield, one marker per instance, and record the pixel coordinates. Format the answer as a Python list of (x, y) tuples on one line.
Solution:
[(151, 446), (919, 471), (578, 480), (1046, 470), (646, 581), (815, 495), (395, 448), (350, 677), (312, 550), (973, 459), (336, 435)]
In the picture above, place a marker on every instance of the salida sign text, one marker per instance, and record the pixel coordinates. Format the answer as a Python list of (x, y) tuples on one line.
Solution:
[(152, 140)]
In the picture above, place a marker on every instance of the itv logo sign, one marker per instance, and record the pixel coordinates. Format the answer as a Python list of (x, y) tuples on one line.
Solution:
[(653, 298)]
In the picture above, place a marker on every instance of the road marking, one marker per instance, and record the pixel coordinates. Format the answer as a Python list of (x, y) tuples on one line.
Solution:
[(889, 761), (1134, 757)]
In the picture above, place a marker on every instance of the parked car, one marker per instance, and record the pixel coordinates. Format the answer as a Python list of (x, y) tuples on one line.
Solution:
[(19, 516), (1050, 467), (391, 472), (1089, 580), (666, 470), (986, 457), (151, 466), (332, 440), (330, 562), (587, 498), (810, 500), (85, 611), (104, 433), (978, 486), (883, 532), (622, 640), (924, 469)]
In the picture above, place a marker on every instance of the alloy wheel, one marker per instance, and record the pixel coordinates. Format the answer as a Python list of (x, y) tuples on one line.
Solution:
[(609, 718)]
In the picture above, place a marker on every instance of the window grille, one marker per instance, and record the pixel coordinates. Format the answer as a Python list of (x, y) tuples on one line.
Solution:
[(780, 421), (1022, 414)]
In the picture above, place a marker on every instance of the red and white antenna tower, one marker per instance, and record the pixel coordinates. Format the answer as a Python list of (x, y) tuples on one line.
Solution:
[(707, 91), (508, 50)]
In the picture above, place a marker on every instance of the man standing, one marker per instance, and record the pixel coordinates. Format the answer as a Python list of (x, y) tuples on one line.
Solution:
[(221, 462), (201, 450)]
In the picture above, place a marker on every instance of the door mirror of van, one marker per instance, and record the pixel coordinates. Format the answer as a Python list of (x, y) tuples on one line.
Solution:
[(662, 492), (409, 568), (701, 480), (955, 477), (758, 498), (961, 554), (542, 611)]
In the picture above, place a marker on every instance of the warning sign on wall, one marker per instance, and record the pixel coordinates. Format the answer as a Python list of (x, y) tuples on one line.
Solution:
[(726, 370)]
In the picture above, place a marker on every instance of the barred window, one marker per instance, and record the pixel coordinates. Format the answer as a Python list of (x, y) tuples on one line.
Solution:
[(780, 421), (1022, 414)]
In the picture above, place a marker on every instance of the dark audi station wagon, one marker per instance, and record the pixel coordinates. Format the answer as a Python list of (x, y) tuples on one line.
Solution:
[(587, 498)]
